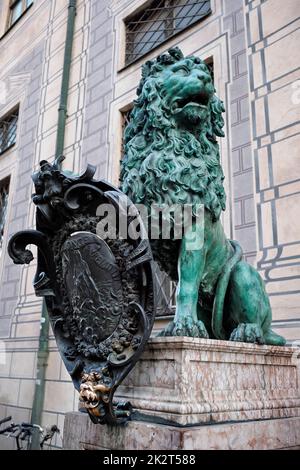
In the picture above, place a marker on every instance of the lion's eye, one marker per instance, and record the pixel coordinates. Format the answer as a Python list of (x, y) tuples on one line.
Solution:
[(181, 71)]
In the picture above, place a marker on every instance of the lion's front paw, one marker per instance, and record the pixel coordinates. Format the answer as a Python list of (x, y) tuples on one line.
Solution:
[(185, 327), (248, 333)]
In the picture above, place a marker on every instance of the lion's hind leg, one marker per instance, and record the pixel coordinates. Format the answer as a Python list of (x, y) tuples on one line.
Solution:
[(249, 307), (273, 338), (248, 333), (253, 333)]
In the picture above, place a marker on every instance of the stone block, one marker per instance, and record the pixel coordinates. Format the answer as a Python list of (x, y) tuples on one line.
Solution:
[(247, 162), (260, 115), (9, 391), (275, 16), (263, 162), (285, 158), (267, 227), (249, 207), (240, 20), (282, 55), (26, 393), (236, 161), (232, 5), (244, 108), (80, 433), (190, 380), (234, 113), (243, 184), (4, 324), (53, 366), (202, 394), (59, 396), (241, 63), (23, 364), (287, 224), (247, 238), (240, 135), (228, 23), (238, 209), (5, 361), (283, 111), (238, 43)]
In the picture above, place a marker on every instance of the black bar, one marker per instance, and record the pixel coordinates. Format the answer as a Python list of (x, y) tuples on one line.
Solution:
[(2, 421)]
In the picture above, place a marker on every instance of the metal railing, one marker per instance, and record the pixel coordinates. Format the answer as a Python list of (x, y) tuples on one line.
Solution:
[(4, 191), (158, 22), (165, 292), (8, 131)]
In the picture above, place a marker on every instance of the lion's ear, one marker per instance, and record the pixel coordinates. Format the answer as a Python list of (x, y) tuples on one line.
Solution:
[(176, 53), (217, 121)]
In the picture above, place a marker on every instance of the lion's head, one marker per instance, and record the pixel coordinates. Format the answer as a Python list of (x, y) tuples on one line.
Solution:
[(171, 152)]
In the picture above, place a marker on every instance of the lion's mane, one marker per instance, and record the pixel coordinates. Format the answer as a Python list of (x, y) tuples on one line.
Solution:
[(162, 163)]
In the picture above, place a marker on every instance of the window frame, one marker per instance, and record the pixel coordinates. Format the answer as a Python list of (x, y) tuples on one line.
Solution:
[(4, 183), (125, 118), (138, 13), (14, 111), (12, 4)]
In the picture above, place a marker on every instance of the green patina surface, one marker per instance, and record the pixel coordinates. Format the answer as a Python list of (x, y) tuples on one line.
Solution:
[(172, 157)]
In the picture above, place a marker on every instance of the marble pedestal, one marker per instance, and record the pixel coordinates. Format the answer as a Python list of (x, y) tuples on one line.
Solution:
[(202, 394)]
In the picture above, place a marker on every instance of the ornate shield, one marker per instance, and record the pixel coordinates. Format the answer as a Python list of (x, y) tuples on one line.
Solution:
[(99, 292)]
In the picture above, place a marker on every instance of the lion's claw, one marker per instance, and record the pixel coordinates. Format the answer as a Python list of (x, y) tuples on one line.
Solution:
[(248, 333), (185, 327)]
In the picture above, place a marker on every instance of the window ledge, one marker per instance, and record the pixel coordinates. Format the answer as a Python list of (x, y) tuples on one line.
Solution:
[(17, 21), (164, 42), (2, 152)]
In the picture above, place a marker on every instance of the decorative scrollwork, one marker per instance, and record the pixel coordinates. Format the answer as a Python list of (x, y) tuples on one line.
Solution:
[(45, 284), (99, 293)]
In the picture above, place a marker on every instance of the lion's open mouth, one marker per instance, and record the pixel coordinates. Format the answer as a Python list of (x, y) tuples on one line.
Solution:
[(201, 100)]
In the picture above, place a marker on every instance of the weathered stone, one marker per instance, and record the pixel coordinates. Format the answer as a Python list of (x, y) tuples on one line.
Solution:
[(203, 394), (190, 381), (80, 433)]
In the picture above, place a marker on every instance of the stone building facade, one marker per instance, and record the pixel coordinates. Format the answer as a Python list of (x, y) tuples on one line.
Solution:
[(253, 48)]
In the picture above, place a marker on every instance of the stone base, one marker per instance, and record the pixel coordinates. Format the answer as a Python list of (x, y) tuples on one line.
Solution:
[(203, 394), (191, 381), (80, 433)]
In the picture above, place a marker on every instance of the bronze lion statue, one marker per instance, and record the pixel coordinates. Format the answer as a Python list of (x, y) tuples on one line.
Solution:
[(172, 157)]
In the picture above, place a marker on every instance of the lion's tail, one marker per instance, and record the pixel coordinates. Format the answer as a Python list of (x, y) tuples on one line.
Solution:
[(217, 313)]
